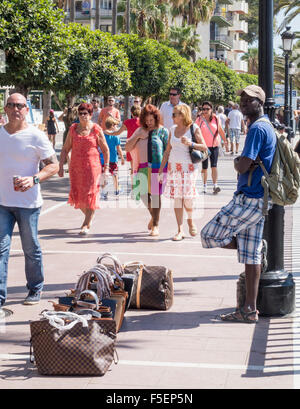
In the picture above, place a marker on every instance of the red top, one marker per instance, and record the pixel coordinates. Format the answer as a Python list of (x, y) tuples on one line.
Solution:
[(131, 125)]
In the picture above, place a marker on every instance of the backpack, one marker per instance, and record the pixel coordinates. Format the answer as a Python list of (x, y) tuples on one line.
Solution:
[(283, 181)]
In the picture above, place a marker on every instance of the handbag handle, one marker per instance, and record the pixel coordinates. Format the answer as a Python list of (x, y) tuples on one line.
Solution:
[(56, 319), (102, 284), (83, 303), (118, 266)]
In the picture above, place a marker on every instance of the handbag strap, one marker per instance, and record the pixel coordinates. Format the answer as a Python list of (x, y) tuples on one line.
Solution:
[(58, 319), (117, 264), (192, 133), (214, 135)]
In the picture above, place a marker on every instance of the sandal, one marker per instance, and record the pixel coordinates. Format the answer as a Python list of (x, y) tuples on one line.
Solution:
[(179, 236), (240, 316), (154, 231), (193, 230)]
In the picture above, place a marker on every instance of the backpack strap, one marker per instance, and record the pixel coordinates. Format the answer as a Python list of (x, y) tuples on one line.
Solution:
[(264, 179)]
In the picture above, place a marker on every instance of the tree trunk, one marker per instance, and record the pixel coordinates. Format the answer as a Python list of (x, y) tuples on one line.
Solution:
[(128, 16), (46, 104), (114, 16), (97, 15), (72, 11)]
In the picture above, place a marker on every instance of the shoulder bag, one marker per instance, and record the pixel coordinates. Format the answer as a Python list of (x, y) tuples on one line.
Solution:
[(197, 156)]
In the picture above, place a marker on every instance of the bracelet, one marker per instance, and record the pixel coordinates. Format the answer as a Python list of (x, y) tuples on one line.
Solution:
[(192, 145)]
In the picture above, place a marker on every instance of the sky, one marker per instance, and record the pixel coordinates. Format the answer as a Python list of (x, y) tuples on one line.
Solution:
[(295, 26)]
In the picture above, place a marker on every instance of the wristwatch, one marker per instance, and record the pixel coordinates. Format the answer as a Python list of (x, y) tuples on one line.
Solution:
[(36, 180)]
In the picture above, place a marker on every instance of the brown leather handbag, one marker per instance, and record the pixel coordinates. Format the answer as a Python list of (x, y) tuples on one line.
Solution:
[(153, 288), (65, 343)]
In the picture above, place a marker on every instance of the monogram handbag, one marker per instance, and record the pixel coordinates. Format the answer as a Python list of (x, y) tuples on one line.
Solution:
[(128, 280), (64, 343), (154, 286), (197, 156)]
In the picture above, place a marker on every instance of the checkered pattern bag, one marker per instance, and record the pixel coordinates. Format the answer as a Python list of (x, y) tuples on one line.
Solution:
[(153, 288), (79, 347)]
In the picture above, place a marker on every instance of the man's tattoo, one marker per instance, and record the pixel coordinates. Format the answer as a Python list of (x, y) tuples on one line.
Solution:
[(49, 161)]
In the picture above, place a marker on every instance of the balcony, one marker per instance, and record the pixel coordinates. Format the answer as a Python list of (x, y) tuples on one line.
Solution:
[(87, 14), (222, 42), (222, 18), (240, 46), (240, 7), (239, 26), (240, 66), (226, 1)]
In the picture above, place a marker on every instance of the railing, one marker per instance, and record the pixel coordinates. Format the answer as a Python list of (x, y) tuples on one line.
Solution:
[(223, 38)]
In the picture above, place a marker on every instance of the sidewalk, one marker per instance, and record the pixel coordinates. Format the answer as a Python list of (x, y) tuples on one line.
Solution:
[(185, 347)]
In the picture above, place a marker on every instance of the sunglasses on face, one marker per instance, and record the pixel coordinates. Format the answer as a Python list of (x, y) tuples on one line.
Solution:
[(173, 94), (83, 113), (175, 114), (13, 105), (206, 109)]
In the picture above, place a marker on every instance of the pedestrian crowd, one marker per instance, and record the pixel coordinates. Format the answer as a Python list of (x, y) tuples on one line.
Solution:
[(158, 147)]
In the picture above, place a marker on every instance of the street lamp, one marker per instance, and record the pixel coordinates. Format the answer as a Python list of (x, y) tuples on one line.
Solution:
[(287, 45), (292, 72)]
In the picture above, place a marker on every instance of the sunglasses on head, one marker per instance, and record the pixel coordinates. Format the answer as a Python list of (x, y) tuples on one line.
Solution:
[(17, 105)]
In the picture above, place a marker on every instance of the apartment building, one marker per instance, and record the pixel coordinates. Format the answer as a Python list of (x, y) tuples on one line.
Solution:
[(225, 30), (220, 38)]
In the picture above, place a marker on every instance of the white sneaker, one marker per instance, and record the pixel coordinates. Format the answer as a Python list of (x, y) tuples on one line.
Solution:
[(204, 188)]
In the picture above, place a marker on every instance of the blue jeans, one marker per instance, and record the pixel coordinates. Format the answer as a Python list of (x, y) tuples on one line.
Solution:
[(27, 220)]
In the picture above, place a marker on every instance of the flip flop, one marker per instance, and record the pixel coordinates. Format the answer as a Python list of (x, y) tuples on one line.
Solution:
[(240, 316)]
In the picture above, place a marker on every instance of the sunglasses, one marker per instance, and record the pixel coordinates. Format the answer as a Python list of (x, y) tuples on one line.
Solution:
[(15, 105), (172, 94), (206, 109), (174, 114), (83, 113)]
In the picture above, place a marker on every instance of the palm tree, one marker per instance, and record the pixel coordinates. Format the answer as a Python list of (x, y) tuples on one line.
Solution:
[(148, 18), (184, 40), (193, 11), (252, 59), (291, 8)]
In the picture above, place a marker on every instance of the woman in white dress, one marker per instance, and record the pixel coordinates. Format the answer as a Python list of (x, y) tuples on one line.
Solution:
[(182, 173)]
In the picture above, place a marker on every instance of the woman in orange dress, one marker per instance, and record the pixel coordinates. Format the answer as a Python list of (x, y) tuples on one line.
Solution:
[(85, 168)]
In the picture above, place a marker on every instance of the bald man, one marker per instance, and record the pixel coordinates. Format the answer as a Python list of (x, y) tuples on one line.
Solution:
[(23, 147)]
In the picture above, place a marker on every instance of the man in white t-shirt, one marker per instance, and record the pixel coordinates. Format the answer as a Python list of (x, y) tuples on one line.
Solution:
[(167, 108), (235, 123), (23, 146)]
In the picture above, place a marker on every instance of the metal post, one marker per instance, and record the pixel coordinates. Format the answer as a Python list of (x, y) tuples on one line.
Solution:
[(273, 280), (287, 114), (291, 107), (126, 99)]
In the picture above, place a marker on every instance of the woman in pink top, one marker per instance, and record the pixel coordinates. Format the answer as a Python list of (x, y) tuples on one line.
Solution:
[(211, 130)]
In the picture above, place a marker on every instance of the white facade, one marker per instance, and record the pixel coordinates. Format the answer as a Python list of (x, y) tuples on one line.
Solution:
[(225, 30), (220, 38)]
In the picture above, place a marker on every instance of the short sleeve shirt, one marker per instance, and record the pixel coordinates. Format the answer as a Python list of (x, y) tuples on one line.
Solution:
[(20, 155), (112, 142), (260, 141)]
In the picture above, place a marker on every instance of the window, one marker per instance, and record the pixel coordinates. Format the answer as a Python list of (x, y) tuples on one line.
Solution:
[(106, 28), (78, 5), (106, 4)]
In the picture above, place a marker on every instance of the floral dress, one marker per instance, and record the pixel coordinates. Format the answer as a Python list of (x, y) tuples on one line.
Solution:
[(85, 169), (182, 173)]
